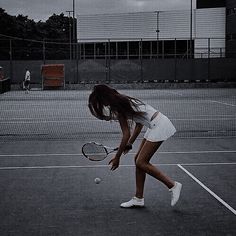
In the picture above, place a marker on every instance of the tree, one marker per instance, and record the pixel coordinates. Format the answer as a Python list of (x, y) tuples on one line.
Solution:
[(58, 27), (25, 33)]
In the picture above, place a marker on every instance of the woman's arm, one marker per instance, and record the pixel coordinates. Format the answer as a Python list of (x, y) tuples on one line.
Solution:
[(138, 128), (125, 137)]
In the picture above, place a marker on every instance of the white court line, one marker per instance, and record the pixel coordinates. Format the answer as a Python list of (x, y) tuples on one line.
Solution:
[(106, 166), (223, 103), (208, 190), (64, 108), (67, 118), (214, 115), (207, 163), (43, 121), (189, 119), (130, 153), (174, 93), (37, 121), (209, 137), (43, 118), (77, 118)]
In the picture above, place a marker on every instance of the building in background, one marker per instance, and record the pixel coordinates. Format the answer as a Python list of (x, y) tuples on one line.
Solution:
[(230, 6), (231, 28), (210, 3), (209, 31)]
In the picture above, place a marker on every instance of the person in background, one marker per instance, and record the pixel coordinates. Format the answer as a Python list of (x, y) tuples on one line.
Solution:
[(1, 73), (26, 82)]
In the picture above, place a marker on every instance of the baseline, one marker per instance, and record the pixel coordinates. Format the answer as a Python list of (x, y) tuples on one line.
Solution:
[(107, 166)]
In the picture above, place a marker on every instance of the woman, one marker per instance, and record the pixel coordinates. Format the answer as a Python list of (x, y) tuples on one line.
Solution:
[(105, 103)]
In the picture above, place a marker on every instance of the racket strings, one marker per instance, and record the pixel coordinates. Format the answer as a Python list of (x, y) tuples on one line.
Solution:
[(94, 151)]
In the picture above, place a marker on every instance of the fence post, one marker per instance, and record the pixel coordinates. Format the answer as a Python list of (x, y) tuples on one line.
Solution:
[(157, 31), (175, 60), (117, 56), (141, 58), (128, 50), (163, 49), (109, 60), (151, 50), (10, 55), (94, 51), (77, 63), (208, 61), (44, 52), (187, 49)]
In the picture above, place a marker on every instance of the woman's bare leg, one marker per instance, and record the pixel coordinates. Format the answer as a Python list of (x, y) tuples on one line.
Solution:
[(140, 175), (142, 159)]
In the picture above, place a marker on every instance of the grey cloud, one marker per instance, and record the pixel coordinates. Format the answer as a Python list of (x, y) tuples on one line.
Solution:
[(41, 10)]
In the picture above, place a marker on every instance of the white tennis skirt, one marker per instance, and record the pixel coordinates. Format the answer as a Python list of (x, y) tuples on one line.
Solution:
[(161, 129)]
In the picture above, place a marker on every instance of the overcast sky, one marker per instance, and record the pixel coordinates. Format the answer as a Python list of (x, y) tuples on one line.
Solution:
[(42, 9)]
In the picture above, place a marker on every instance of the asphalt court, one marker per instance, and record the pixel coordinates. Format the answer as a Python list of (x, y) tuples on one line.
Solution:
[(47, 187)]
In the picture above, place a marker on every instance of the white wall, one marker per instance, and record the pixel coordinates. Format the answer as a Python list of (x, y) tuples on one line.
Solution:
[(124, 26), (210, 23), (174, 24), (206, 23)]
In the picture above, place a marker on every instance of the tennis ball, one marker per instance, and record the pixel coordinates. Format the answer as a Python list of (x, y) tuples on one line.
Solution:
[(97, 180)]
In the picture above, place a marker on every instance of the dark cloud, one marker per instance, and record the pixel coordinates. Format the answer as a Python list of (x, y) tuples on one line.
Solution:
[(41, 10)]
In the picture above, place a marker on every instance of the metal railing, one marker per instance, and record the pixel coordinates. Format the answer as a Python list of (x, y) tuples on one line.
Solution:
[(116, 60), (22, 49)]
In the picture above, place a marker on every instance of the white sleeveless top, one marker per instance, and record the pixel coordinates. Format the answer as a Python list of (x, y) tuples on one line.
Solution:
[(145, 119)]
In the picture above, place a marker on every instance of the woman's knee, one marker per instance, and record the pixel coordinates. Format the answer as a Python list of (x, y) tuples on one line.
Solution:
[(141, 164)]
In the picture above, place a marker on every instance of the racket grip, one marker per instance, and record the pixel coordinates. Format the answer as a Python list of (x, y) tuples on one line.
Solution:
[(128, 148)]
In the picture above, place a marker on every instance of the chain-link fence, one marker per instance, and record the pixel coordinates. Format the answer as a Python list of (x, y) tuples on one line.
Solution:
[(119, 61)]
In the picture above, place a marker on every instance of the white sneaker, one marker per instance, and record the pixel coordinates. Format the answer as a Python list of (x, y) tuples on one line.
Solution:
[(134, 202), (175, 193)]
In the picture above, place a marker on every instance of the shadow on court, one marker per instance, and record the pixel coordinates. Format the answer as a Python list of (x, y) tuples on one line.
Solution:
[(47, 187)]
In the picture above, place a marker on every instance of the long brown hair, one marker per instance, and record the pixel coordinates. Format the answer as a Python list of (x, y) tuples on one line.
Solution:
[(118, 104)]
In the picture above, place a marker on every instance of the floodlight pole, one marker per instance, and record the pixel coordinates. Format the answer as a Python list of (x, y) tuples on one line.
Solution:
[(157, 31), (69, 32), (10, 55), (191, 28), (73, 26), (44, 56)]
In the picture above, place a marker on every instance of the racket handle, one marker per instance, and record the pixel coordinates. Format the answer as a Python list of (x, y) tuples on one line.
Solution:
[(128, 146)]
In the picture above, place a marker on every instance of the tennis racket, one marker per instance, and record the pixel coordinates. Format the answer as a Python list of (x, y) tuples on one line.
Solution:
[(96, 151)]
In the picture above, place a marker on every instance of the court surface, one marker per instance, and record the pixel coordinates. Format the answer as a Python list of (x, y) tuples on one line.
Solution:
[(47, 187)]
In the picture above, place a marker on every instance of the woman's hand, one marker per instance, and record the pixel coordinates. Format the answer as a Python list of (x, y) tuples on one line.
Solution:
[(114, 163)]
